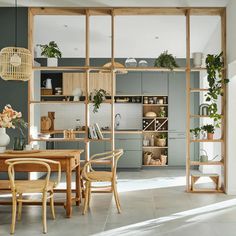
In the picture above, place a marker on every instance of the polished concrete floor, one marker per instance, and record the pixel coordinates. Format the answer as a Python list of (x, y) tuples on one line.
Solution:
[(154, 202)]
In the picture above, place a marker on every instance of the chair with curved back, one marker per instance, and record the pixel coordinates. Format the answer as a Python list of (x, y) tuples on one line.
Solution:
[(90, 175), (44, 186)]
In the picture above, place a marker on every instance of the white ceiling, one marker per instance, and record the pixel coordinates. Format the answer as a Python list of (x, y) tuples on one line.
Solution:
[(107, 3), (135, 36)]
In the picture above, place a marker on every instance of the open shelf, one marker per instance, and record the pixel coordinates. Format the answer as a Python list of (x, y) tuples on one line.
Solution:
[(56, 102), (212, 163), (58, 139), (206, 141), (155, 117), (201, 116), (152, 105), (155, 165), (99, 140), (195, 90), (70, 68), (154, 147)]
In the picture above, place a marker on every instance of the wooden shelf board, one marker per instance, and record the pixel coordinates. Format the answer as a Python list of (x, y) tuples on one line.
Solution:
[(99, 140), (159, 105), (155, 117), (206, 141), (62, 131), (152, 131), (195, 90), (154, 147), (198, 69), (156, 165), (58, 139), (69, 68), (201, 116), (198, 163), (206, 191), (180, 69), (57, 102)]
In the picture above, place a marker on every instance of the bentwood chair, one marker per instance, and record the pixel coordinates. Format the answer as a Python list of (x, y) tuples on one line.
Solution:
[(90, 175), (43, 186)]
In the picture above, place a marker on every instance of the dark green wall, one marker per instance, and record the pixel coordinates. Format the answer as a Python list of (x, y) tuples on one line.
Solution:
[(13, 92)]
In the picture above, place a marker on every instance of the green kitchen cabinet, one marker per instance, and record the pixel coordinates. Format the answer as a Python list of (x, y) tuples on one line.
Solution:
[(128, 84), (131, 159), (155, 83)]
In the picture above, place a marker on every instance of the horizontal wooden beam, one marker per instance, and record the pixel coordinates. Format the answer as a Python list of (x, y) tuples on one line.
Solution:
[(127, 11)]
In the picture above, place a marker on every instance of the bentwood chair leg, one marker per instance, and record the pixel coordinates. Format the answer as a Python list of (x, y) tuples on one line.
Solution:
[(44, 208), (116, 197), (52, 206), (19, 207), (86, 197), (14, 206), (89, 195)]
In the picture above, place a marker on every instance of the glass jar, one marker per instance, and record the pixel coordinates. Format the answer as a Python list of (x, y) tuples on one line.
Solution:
[(145, 100), (130, 62)]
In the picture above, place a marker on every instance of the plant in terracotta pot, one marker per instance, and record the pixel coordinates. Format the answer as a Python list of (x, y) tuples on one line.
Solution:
[(210, 129), (97, 97), (195, 133), (51, 51), (161, 140), (10, 118)]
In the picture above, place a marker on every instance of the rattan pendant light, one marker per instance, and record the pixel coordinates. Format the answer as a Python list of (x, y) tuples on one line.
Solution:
[(15, 62)]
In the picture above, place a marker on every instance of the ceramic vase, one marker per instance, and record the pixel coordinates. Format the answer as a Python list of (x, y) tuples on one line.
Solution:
[(4, 140)]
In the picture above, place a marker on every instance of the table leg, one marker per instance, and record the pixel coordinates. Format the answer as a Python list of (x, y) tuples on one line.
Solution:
[(68, 189), (77, 185)]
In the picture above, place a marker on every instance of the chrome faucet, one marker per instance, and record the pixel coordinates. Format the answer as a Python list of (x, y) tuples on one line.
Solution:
[(117, 120)]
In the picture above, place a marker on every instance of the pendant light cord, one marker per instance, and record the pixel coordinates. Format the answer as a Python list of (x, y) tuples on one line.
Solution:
[(15, 23)]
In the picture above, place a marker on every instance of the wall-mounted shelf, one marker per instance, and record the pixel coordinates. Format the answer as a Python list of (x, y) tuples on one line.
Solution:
[(201, 116), (58, 139), (207, 141), (153, 105), (196, 90), (154, 147), (211, 163)]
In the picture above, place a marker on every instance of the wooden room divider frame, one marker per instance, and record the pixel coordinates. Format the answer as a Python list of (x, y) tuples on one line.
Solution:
[(122, 11)]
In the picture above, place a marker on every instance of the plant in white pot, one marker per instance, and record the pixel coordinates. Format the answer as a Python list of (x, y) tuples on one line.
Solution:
[(9, 118), (195, 133), (52, 52)]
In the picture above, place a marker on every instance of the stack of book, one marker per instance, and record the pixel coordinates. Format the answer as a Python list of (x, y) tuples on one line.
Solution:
[(95, 132)]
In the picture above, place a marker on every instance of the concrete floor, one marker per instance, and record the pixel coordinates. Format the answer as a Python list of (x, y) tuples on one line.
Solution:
[(154, 202)]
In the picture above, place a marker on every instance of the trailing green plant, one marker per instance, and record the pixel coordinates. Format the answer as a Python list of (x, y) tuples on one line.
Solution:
[(208, 128), (166, 60), (195, 131), (216, 81), (98, 96), (50, 50), (162, 136)]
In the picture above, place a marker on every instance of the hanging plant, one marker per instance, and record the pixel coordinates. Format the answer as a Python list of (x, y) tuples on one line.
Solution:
[(166, 60), (98, 96), (215, 66)]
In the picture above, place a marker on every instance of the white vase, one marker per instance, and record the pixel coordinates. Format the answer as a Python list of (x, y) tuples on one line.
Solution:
[(197, 59), (52, 62), (4, 140)]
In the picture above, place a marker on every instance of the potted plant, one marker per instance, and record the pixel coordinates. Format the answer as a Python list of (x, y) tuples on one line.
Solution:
[(195, 133), (10, 118), (51, 51), (166, 60), (162, 112), (97, 97), (161, 140), (210, 129)]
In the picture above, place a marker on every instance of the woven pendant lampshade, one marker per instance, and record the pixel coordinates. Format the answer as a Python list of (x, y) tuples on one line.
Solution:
[(120, 69), (15, 64)]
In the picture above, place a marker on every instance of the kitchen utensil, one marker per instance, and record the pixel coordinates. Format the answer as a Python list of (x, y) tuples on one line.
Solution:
[(48, 83)]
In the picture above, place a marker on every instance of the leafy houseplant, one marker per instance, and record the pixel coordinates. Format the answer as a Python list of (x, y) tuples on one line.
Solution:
[(98, 96), (195, 132), (51, 51), (166, 60), (215, 66), (161, 140), (210, 129)]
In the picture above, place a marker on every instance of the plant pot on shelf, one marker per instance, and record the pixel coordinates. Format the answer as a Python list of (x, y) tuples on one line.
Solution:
[(210, 136), (4, 140), (161, 142), (163, 159), (52, 62), (197, 59)]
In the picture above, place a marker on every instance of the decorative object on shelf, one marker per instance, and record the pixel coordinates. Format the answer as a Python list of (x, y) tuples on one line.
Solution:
[(78, 125), (45, 123), (145, 100), (120, 69), (145, 141), (166, 60), (98, 96), (162, 112), (51, 115), (117, 120), (204, 109), (28, 147), (52, 52), (155, 161), (45, 91), (69, 134), (19, 143), (147, 158), (163, 159), (154, 100), (58, 91), (210, 129), (165, 100), (204, 157), (150, 100), (197, 59), (152, 141), (10, 118), (47, 83), (142, 63), (195, 133), (15, 62), (216, 81), (161, 101), (130, 62), (161, 140), (150, 114), (77, 93)]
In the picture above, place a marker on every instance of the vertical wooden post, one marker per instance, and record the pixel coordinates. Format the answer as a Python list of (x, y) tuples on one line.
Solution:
[(223, 98), (188, 77), (87, 49)]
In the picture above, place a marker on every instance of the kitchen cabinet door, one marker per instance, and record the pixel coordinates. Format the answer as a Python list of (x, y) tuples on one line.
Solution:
[(128, 84), (176, 151), (154, 83), (72, 81), (177, 102), (130, 159), (100, 81)]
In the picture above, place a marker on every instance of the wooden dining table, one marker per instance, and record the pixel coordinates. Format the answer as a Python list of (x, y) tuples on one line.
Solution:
[(70, 161)]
